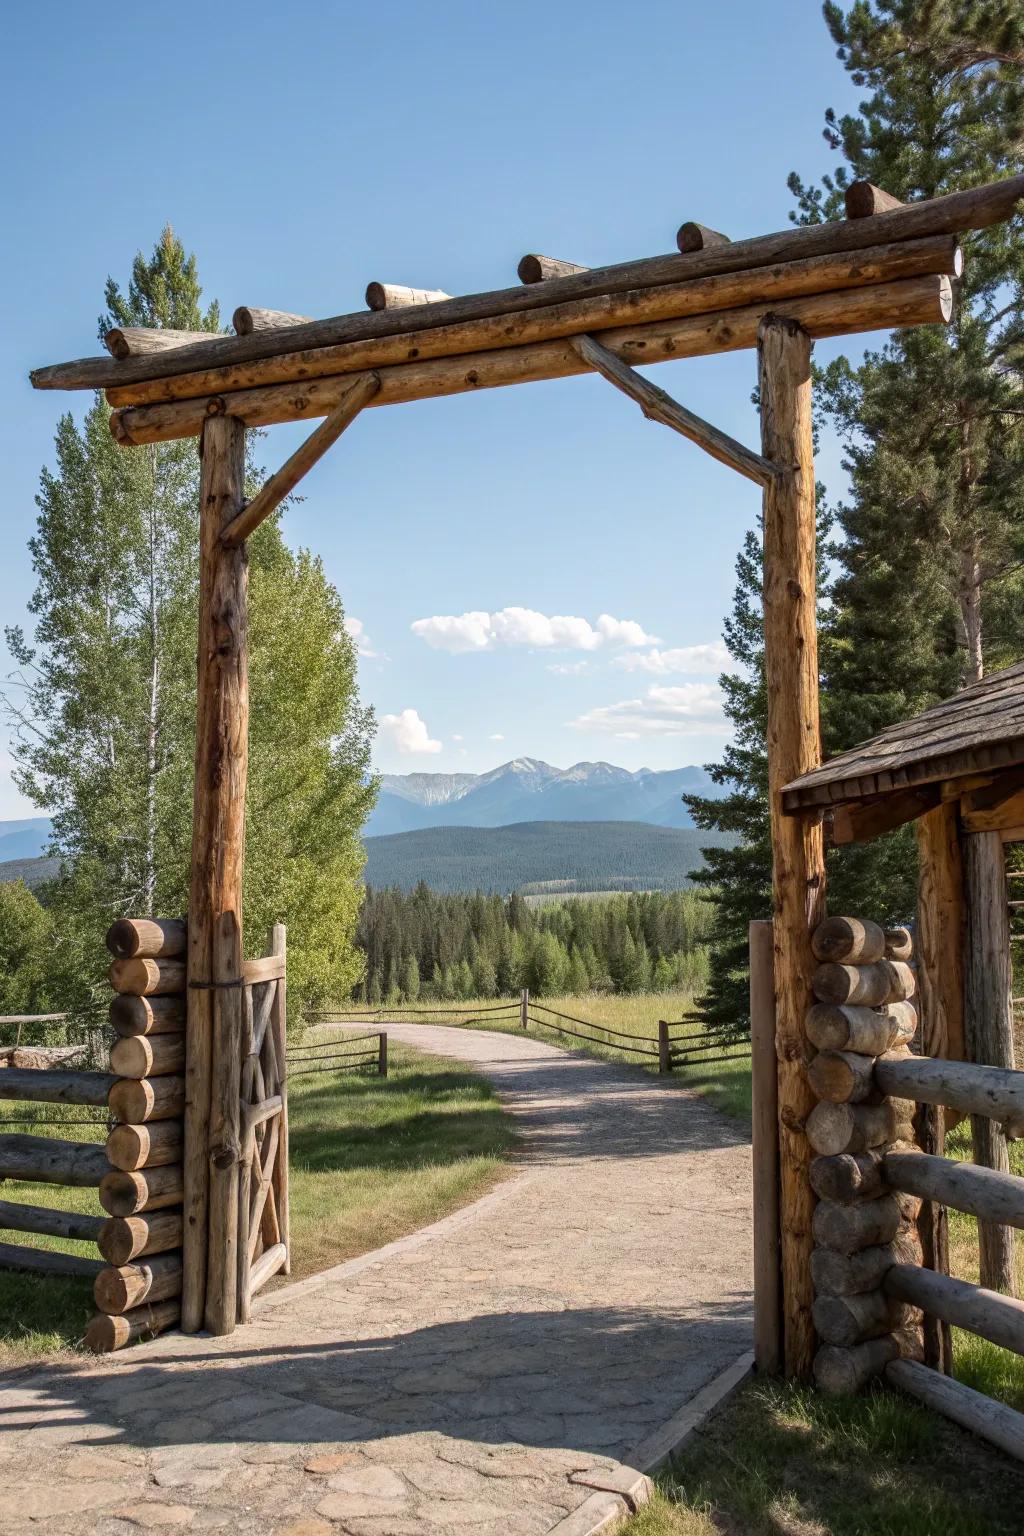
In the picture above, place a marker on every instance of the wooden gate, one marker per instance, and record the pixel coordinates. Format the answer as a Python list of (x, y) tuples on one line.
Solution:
[(263, 1243)]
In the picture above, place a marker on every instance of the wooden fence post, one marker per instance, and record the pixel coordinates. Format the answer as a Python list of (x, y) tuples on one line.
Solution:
[(279, 1024), (664, 1047), (988, 1022), (765, 1116), (214, 1026), (524, 1008), (794, 747), (382, 1055)]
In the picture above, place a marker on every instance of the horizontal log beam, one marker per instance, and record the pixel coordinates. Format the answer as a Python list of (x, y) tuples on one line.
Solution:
[(139, 341), (990, 1315), (540, 269), (911, 301), (120, 1289), (41, 1261), (147, 938), (124, 1238), (49, 1160), (884, 981), (848, 941), (698, 237), (996, 1092), (864, 201), (852, 1027), (16, 1217), (862, 823), (145, 1146), (267, 500), (394, 296), (143, 977), (982, 1192), (105, 1334), (136, 1100), (263, 968), (148, 1055), (247, 319), (147, 1015), (658, 406), (54, 1085), (603, 312), (855, 255), (147, 1189), (1002, 815), (992, 1421)]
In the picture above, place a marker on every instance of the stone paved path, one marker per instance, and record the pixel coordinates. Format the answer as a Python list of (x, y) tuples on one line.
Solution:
[(458, 1383)]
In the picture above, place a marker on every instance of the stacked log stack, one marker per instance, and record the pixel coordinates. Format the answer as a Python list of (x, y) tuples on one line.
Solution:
[(140, 1292), (864, 987)]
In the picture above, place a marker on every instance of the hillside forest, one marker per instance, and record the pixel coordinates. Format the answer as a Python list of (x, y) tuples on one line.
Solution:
[(428, 945)]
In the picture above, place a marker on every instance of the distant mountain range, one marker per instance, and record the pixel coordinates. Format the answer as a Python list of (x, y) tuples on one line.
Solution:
[(541, 857), (24, 839), (527, 789)]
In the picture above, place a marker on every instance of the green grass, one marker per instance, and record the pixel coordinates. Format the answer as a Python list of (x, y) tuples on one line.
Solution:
[(779, 1461), (371, 1159)]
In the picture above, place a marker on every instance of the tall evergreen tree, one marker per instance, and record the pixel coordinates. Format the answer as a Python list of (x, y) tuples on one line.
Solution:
[(105, 724)]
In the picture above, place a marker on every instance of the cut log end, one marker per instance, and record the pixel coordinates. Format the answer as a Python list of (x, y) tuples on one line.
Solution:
[(106, 1333), (537, 269), (248, 320), (848, 940), (697, 237), (840, 1372), (147, 937), (394, 296), (863, 200)]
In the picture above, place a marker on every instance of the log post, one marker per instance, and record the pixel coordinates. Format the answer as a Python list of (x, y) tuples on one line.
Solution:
[(664, 1047), (524, 1008), (988, 1022), (215, 901), (794, 747), (765, 1086), (279, 1025)]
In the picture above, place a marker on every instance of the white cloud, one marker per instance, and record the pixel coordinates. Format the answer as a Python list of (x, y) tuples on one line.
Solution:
[(407, 733), (568, 668), (357, 630), (496, 737), (480, 631), (688, 709), (712, 658), (457, 737)]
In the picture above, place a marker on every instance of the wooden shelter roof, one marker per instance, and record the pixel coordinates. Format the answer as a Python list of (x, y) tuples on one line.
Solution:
[(979, 730)]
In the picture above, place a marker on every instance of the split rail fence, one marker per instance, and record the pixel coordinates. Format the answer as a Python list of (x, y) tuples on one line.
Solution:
[(875, 1299)]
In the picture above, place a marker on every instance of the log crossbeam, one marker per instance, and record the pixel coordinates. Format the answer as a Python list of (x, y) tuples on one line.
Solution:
[(270, 496), (659, 406)]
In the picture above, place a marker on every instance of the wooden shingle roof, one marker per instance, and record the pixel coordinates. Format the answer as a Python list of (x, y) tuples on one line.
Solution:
[(977, 731)]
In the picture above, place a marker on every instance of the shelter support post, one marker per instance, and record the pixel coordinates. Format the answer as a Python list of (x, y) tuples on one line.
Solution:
[(988, 1023), (794, 748), (214, 1023), (940, 979), (765, 1086)]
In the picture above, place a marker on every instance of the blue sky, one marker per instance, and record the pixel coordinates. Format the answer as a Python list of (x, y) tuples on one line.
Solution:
[(304, 150)]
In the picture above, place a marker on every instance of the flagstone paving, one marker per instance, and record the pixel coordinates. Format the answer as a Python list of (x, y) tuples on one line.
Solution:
[(486, 1377)]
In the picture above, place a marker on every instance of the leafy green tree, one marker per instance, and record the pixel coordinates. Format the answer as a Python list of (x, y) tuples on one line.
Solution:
[(410, 979), (27, 940), (104, 720), (577, 981)]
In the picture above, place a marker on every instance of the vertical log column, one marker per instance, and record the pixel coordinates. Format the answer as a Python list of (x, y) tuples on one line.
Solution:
[(213, 1062), (940, 975), (988, 1022), (794, 747)]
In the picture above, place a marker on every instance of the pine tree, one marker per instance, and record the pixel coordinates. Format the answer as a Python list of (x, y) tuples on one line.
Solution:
[(410, 979)]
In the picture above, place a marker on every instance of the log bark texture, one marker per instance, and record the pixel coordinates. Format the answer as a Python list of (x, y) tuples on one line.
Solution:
[(768, 1352), (124, 1238), (147, 937), (992, 1421), (148, 1055), (53, 1086), (218, 843), (703, 299), (988, 1025), (147, 1015), (987, 1193), (886, 981), (148, 1189), (136, 1100), (247, 319), (977, 208), (912, 301), (992, 1093), (852, 1027), (145, 1146), (394, 296), (848, 941), (16, 1217), (139, 341), (40, 1261), (1000, 1319), (49, 1160), (129, 1285), (794, 747), (147, 978)]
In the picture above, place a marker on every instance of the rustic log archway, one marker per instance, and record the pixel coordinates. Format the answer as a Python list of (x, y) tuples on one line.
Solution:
[(886, 265)]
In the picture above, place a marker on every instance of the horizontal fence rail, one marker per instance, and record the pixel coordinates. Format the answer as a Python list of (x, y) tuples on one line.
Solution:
[(341, 1053)]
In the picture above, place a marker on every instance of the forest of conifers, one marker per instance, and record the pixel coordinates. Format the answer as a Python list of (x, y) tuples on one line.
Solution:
[(448, 946)]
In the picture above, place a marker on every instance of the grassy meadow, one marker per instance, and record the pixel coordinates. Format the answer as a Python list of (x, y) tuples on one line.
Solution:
[(372, 1159)]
